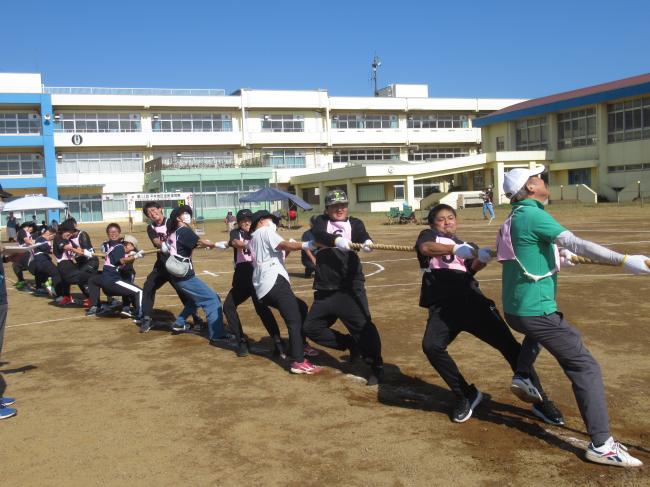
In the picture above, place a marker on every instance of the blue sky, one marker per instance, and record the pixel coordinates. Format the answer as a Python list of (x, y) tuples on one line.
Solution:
[(463, 48)]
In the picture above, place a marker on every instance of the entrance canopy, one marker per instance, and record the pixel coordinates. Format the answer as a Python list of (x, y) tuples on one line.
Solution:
[(272, 194), (34, 202)]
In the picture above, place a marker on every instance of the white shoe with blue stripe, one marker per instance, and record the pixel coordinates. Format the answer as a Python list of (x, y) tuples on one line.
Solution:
[(611, 453)]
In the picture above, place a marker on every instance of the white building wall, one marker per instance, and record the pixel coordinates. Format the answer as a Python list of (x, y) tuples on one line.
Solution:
[(247, 109)]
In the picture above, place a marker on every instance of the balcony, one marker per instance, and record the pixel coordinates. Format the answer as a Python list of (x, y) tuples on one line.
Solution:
[(173, 163), (88, 90)]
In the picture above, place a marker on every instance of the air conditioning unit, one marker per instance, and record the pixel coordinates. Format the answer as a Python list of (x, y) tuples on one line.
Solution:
[(156, 116), (57, 116), (266, 117), (59, 156)]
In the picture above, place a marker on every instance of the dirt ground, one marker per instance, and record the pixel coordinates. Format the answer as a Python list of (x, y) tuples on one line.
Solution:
[(101, 404)]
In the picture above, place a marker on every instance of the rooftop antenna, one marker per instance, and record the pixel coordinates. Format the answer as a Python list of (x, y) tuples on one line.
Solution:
[(376, 62)]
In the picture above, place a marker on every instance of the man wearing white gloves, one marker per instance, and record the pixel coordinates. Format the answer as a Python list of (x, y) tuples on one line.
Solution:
[(340, 286), (456, 304), (527, 246)]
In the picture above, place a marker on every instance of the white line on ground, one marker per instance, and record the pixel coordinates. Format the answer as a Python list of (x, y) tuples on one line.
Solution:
[(380, 268)]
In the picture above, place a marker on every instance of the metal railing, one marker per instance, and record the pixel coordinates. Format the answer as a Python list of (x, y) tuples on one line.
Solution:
[(89, 90), (160, 163)]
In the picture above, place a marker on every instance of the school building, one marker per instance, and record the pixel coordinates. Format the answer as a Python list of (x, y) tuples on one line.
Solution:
[(92, 147), (595, 141)]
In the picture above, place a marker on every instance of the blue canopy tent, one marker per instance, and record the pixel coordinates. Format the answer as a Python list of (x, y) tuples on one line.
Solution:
[(272, 194)]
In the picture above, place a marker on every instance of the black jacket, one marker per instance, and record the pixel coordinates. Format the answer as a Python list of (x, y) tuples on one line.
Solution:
[(337, 269)]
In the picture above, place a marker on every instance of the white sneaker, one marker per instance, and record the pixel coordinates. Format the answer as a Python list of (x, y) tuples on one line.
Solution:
[(611, 453), (525, 390)]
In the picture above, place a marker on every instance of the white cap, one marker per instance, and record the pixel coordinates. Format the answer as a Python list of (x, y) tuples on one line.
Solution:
[(515, 179)]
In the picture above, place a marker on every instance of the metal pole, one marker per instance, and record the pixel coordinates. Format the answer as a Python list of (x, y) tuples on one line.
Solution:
[(561, 192), (201, 191)]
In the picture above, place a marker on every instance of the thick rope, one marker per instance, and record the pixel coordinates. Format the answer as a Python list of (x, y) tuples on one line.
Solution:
[(145, 252), (410, 248)]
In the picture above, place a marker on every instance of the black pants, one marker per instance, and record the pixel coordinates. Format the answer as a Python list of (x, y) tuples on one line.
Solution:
[(293, 312), (242, 289), (351, 307), (44, 268), (479, 316), (21, 266), (155, 280), (71, 274), (117, 287)]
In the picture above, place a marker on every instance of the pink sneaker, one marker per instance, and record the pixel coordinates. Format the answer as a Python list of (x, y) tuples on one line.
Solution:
[(304, 367), (311, 351)]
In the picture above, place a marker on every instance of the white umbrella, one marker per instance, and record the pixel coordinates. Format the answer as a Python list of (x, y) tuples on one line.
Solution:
[(36, 202)]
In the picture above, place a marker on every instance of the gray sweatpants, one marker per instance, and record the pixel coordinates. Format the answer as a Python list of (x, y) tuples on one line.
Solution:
[(563, 341)]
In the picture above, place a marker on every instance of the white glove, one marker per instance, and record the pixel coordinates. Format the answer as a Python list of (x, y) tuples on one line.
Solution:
[(485, 254), (292, 240), (139, 254), (342, 243), (88, 253), (636, 264), (164, 248), (565, 258), (464, 251), (367, 246), (309, 245), (221, 245)]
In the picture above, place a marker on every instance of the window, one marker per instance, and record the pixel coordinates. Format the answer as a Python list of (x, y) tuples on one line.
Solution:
[(191, 122), (576, 129), (531, 134), (21, 164), (99, 162), (425, 187), (580, 176), (350, 155), (628, 120), (286, 158), (365, 121), (399, 191), (437, 121), (370, 192), (20, 123), (283, 123), (500, 144), (432, 153), (97, 122), (629, 167)]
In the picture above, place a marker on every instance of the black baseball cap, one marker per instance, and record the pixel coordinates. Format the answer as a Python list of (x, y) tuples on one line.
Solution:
[(261, 215), (244, 214)]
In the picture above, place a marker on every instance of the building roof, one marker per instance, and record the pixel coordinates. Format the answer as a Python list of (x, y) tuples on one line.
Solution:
[(636, 85)]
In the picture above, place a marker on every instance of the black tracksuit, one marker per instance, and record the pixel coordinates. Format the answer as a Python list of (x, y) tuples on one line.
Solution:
[(456, 304), (340, 293)]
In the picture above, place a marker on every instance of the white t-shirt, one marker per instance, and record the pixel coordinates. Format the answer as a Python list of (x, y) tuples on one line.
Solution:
[(267, 259)]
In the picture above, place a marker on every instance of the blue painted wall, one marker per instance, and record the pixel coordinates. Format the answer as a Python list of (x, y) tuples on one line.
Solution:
[(43, 142)]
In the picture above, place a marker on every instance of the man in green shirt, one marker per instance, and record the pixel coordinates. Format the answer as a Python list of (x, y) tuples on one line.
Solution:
[(527, 246)]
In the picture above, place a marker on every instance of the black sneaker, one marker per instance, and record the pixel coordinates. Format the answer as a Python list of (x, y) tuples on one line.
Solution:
[(145, 324), (465, 407), (280, 350), (548, 413), (92, 311), (242, 349), (377, 375)]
